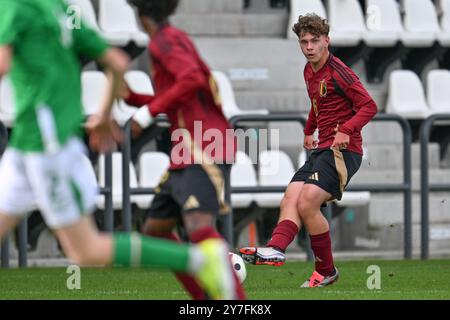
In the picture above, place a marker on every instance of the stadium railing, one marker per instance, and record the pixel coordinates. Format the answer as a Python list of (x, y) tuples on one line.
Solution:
[(159, 124), (425, 185), (227, 220)]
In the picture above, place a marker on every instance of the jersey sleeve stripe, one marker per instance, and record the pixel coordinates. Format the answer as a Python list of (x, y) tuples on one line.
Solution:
[(345, 75)]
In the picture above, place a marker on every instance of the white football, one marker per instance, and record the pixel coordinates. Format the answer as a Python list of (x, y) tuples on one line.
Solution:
[(238, 266)]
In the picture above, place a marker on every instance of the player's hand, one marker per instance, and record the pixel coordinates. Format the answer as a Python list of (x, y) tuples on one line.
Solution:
[(341, 141), (141, 119), (136, 129), (103, 133), (124, 90), (309, 143)]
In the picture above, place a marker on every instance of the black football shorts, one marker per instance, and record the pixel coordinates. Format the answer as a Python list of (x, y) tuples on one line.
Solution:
[(192, 189), (329, 169)]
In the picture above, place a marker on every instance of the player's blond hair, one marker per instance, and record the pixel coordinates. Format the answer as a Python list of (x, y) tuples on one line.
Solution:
[(311, 23)]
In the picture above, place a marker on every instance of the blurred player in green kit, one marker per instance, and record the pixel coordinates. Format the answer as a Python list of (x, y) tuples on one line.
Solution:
[(43, 165)]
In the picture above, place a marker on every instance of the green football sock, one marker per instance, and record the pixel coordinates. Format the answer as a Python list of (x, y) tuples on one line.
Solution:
[(133, 249)]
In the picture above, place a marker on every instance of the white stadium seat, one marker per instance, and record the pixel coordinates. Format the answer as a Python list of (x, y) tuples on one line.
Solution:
[(118, 23), (275, 169), (438, 91), (301, 158), (87, 12), (445, 18), (242, 175), (117, 184), (7, 107), (445, 23), (346, 22), (152, 166), (140, 83), (93, 86), (301, 7), (383, 22), (406, 95), (354, 199), (420, 23), (229, 106)]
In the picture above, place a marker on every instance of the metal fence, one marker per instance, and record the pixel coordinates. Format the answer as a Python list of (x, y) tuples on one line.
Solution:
[(227, 220), (425, 186)]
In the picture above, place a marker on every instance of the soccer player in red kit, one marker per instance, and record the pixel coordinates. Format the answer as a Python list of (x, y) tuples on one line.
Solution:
[(340, 107), (191, 191)]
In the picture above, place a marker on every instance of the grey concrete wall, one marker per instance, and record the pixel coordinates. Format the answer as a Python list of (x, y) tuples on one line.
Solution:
[(386, 209), (365, 176), (210, 6), (265, 73), (230, 24)]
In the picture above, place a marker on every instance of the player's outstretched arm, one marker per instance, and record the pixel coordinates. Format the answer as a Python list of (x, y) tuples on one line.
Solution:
[(116, 62), (5, 59), (103, 132)]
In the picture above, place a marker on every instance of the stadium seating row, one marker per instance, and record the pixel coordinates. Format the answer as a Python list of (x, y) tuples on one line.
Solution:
[(382, 25), (406, 95), (116, 21), (275, 169), (94, 82)]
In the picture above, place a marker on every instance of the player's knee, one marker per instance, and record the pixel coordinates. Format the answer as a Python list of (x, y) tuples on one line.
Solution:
[(306, 206), (288, 203)]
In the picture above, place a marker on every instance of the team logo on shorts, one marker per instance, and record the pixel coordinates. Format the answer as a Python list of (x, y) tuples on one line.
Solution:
[(323, 89), (191, 203), (314, 176)]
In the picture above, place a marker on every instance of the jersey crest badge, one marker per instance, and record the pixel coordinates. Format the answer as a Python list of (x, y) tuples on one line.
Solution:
[(315, 107), (323, 88)]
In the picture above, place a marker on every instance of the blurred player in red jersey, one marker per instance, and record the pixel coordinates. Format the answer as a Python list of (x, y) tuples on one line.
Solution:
[(340, 107), (191, 191)]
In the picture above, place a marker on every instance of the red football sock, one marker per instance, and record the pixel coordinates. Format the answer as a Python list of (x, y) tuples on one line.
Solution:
[(188, 282), (211, 233), (321, 246), (283, 234)]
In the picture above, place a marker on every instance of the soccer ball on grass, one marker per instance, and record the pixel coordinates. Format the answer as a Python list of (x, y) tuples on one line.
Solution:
[(238, 266)]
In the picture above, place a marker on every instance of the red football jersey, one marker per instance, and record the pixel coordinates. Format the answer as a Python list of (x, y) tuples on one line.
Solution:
[(186, 91), (338, 101)]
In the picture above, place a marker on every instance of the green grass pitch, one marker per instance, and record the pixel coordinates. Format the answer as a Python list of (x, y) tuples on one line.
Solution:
[(413, 279)]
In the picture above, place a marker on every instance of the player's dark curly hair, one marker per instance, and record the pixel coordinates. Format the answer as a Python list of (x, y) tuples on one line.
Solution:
[(157, 10), (313, 24)]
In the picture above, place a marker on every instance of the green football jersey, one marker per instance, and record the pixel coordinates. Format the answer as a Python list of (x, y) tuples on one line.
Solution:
[(47, 42)]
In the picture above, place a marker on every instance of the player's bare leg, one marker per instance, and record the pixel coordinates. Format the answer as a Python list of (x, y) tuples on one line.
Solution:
[(7, 223), (309, 203), (85, 245), (284, 233)]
